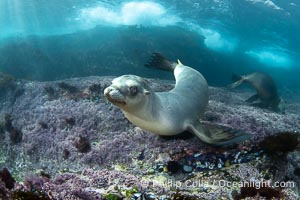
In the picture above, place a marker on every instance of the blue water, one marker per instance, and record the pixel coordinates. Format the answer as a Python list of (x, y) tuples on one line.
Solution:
[(49, 40)]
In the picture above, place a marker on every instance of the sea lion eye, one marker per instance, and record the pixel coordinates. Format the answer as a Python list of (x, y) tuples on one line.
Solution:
[(133, 90)]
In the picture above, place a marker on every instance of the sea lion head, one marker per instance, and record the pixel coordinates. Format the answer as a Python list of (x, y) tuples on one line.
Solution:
[(128, 92)]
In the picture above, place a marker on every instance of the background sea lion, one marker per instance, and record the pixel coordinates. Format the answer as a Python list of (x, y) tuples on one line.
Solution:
[(173, 112), (265, 88)]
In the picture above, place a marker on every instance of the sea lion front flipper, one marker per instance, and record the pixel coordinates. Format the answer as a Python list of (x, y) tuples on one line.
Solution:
[(158, 61), (252, 98), (217, 134)]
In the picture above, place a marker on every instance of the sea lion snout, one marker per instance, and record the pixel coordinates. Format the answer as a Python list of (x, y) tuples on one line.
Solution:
[(114, 95), (107, 91)]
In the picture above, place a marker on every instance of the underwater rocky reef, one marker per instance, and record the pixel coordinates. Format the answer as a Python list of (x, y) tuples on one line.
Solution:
[(63, 140)]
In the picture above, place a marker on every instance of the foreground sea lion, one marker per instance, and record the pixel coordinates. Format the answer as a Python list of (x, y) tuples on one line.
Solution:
[(173, 112), (265, 88)]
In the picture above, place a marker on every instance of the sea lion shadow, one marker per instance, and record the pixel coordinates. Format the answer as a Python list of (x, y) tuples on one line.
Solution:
[(181, 136)]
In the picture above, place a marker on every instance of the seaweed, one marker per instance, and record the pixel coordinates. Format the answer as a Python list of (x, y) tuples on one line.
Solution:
[(15, 134), (34, 182), (270, 193), (130, 192), (7, 122), (3, 194), (112, 196), (49, 90), (96, 88), (173, 167), (82, 144), (179, 196), (19, 92), (43, 125), (67, 87), (2, 129), (84, 195), (65, 154), (93, 92), (248, 191), (29, 195), (6, 80), (279, 144), (7, 178), (44, 174), (297, 171), (51, 93), (141, 155), (70, 121), (251, 191)]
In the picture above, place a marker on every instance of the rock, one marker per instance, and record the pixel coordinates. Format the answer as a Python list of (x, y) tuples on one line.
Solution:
[(137, 196), (173, 166), (150, 196), (187, 169)]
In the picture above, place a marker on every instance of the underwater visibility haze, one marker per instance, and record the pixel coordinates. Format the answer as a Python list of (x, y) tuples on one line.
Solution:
[(61, 137)]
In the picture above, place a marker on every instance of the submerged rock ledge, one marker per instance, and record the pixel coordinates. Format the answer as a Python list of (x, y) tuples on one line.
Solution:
[(69, 131)]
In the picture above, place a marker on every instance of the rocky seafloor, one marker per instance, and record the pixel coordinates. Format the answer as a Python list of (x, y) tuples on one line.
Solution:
[(63, 140)]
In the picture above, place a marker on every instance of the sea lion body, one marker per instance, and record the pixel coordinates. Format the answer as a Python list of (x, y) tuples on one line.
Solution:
[(266, 90), (173, 112)]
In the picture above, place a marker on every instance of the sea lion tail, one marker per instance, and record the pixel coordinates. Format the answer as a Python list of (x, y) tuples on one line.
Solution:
[(238, 80), (217, 134), (158, 61)]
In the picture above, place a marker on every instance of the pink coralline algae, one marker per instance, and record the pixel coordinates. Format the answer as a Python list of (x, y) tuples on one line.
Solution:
[(72, 133)]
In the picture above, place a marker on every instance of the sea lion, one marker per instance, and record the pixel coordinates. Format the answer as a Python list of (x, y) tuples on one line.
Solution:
[(173, 112), (265, 88)]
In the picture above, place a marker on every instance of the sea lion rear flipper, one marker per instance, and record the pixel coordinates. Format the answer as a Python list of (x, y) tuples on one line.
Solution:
[(238, 80), (260, 105), (252, 98), (158, 61), (236, 77), (217, 134)]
